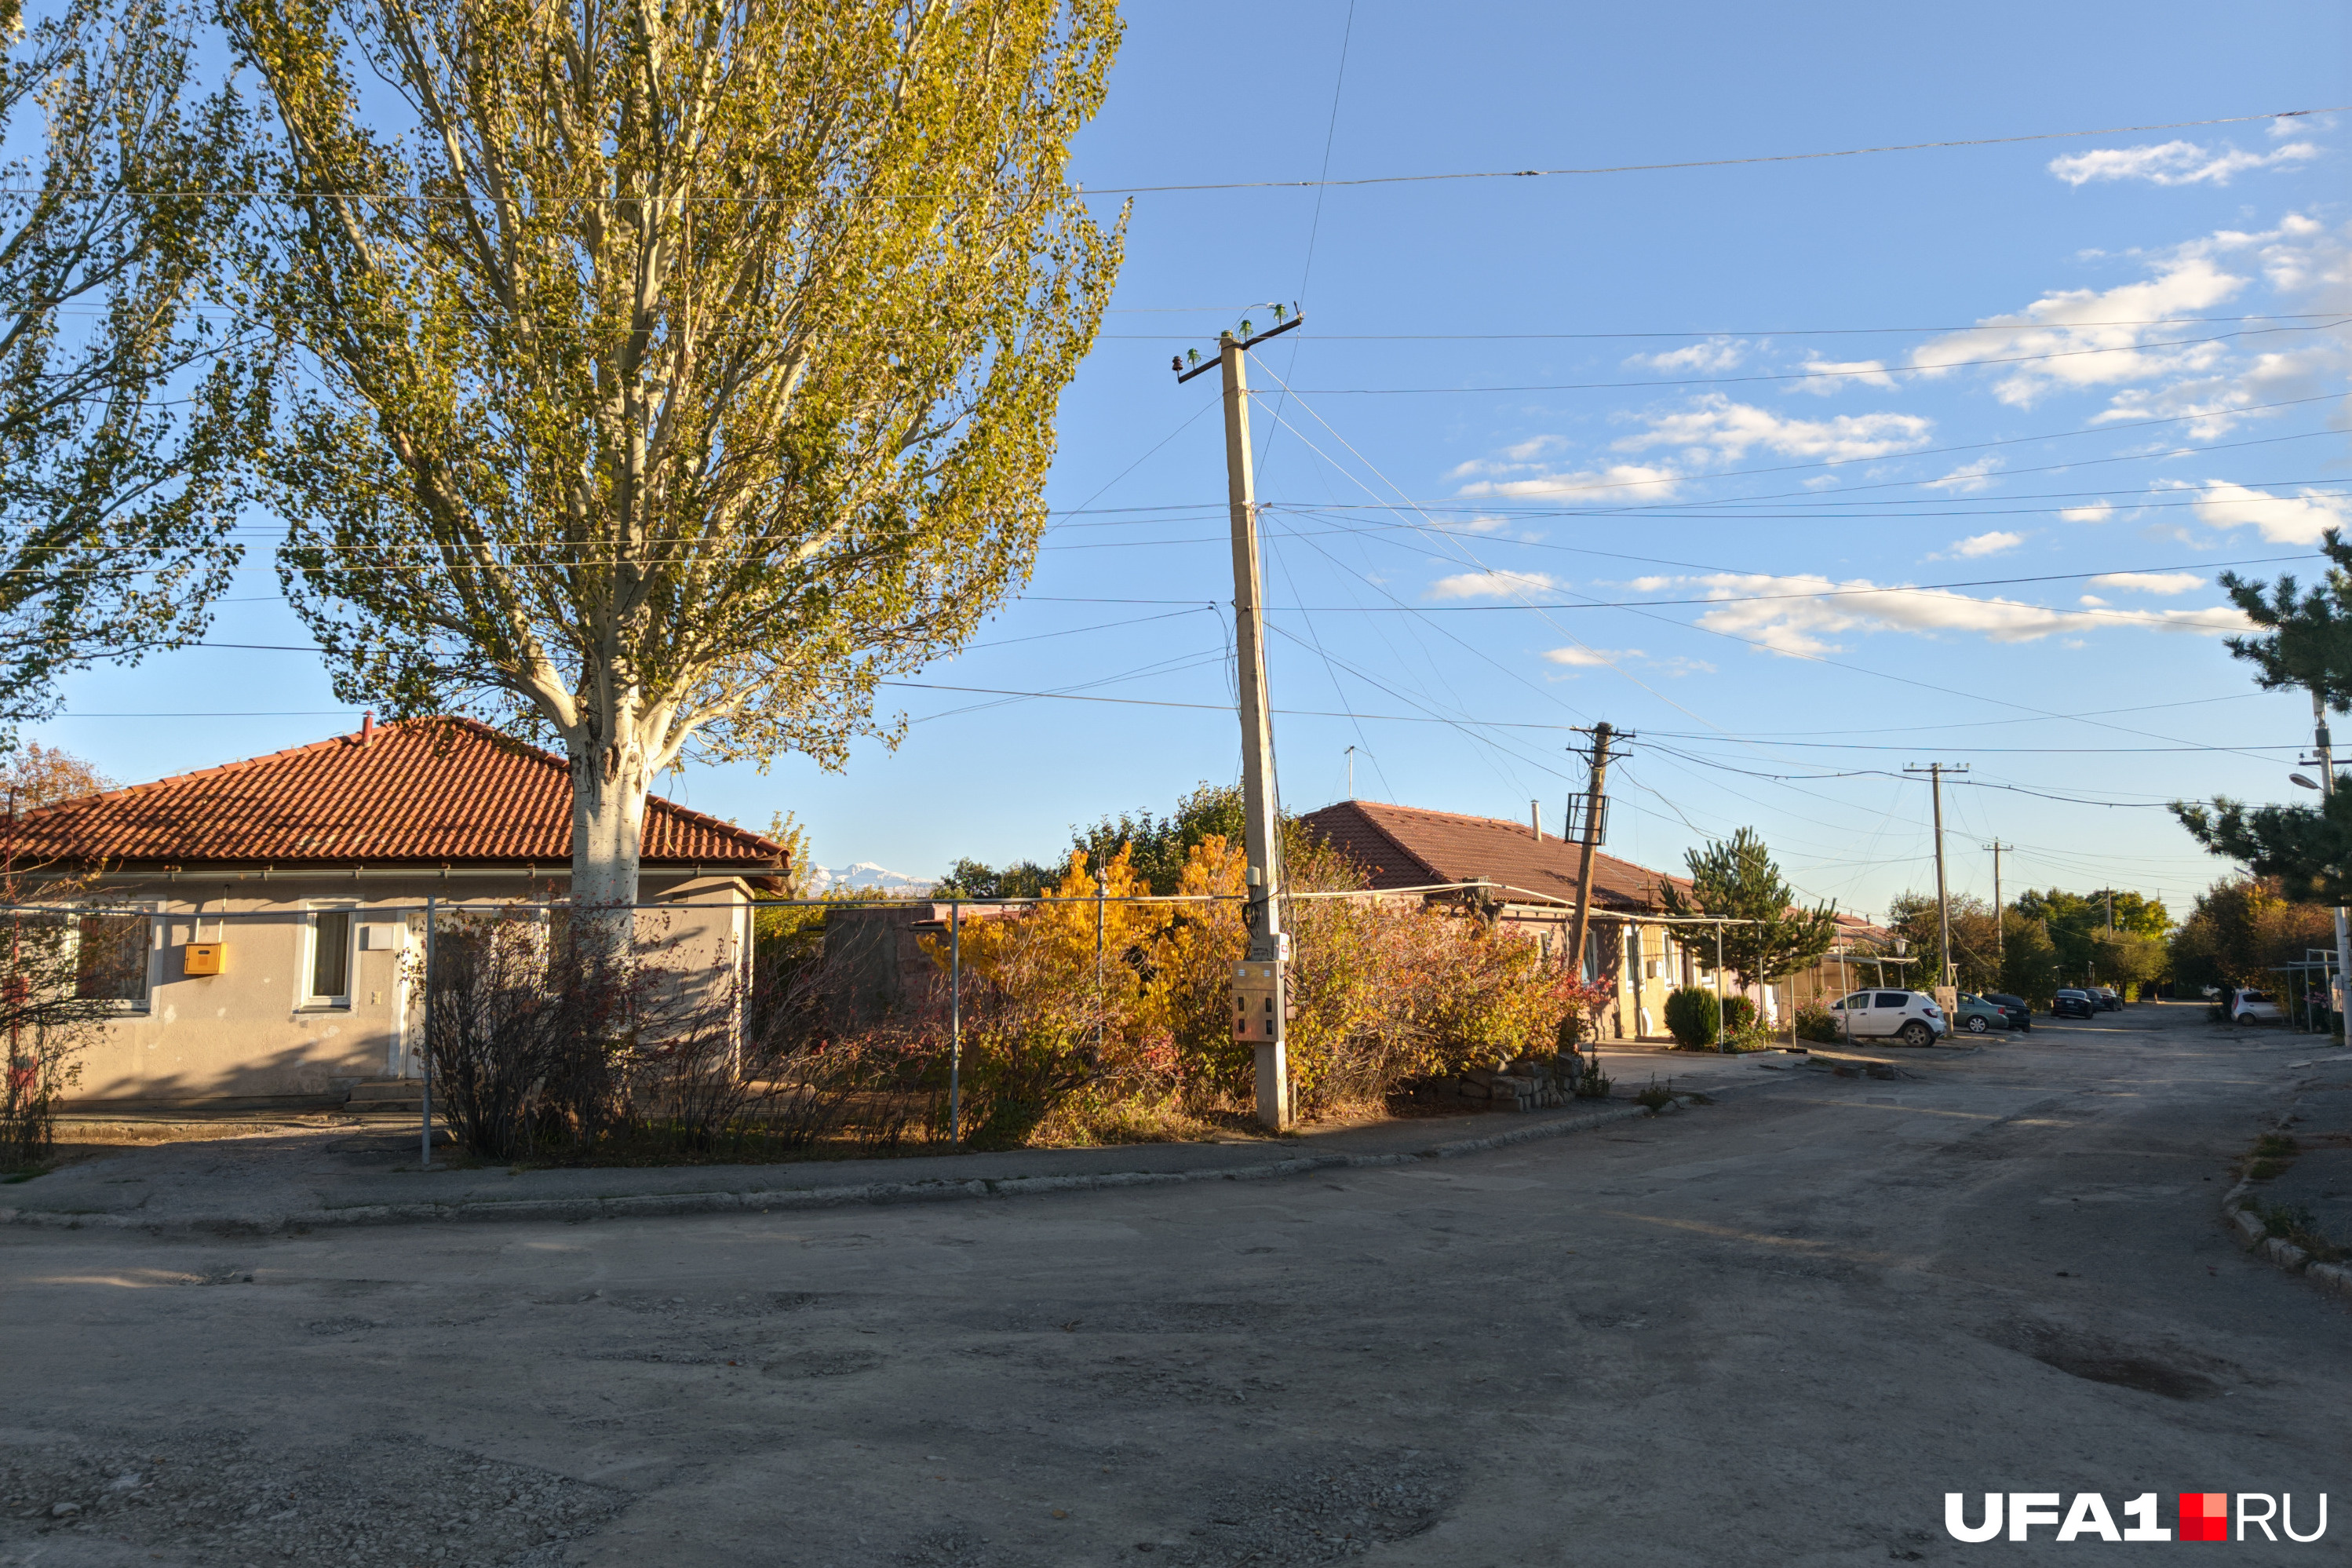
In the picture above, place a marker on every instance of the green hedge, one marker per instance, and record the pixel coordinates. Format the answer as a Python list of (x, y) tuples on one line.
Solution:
[(1692, 1016)]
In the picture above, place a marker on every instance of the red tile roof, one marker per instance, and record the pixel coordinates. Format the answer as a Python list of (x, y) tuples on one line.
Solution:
[(429, 792), (1404, 847)]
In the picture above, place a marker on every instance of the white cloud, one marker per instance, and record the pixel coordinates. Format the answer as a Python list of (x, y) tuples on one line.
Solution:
[(1718, 428), (2132, 339), (1796, 625), (2092, 600), (2167, 583), (1590, 657), (1993, 543), (1824, 377), (2175, 162), (1619, 482), (2298, 519), (1607, 658), (1490, 585), (2097, 512), (1716, 354), (1967, 479)]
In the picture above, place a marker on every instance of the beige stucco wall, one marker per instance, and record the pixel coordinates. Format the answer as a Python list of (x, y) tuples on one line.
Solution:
[(253, 1032)]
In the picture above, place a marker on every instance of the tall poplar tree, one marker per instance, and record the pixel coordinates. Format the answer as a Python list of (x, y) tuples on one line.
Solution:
[(675, 372), (123, 405)]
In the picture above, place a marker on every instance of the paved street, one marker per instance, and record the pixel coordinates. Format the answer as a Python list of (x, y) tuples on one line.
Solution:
[(1774, 1329)]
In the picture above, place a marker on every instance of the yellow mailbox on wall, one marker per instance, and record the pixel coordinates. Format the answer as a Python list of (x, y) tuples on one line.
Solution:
[(203, 957)]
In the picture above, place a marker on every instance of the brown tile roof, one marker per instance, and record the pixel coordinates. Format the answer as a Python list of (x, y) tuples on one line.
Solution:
[(430, 792), (1404, 847)]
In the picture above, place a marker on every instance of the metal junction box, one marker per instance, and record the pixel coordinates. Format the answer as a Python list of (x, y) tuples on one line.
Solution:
[(204, 958), (1258, 1003)]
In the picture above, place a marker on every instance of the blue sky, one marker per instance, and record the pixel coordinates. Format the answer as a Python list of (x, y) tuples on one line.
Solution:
[(1479, 535)]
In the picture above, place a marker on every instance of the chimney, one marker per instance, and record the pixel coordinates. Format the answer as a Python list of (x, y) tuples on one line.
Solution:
[(367, 727), (1534, 818)]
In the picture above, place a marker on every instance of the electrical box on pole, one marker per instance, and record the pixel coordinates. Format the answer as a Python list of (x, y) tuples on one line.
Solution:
[(1259, 1000)]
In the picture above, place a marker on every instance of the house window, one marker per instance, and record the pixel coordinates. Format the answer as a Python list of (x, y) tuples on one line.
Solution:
[(111, 958), (331, 958)]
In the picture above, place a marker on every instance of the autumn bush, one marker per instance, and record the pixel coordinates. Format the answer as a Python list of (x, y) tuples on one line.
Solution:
[(1061, 1042)]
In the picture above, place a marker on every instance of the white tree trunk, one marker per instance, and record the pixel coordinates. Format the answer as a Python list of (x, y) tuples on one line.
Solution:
[(609, 784)]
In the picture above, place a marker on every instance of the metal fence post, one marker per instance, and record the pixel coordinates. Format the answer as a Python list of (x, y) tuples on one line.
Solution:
[(432, 927), (1098, 983), (1719, 1021), (955, 1024)]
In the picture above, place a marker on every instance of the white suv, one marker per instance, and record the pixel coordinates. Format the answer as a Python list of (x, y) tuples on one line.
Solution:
[(2254, 1007), (1906, 1016)]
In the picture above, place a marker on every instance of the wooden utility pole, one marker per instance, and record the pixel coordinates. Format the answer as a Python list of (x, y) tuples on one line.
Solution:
[(1936, 771), (2000, 926), (1595, 810), (2343, 978), (1260, 1003)]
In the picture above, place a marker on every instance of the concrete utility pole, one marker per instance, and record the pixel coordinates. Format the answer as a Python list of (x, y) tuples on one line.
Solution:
[(1595, 808), (2327, 791), (1260, 1005), (1351, 773), (2000, 926), (1936, 771)]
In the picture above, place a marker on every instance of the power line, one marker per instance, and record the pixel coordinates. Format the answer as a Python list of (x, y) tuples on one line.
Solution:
[(1700, 163), (1871, 368)]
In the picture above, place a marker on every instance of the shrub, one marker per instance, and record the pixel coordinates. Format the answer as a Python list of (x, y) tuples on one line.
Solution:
[(1692, 1016), (1817, 1023), (1738, 1014)]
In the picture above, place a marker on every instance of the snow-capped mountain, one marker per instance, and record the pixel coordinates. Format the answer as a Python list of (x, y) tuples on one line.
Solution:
[(865, 875)]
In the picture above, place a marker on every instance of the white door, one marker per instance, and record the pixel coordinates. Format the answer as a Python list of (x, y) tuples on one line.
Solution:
[(403, 1061)]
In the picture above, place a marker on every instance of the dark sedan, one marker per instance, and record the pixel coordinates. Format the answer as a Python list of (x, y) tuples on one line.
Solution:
[(2021, 1016), (2074, 1004)]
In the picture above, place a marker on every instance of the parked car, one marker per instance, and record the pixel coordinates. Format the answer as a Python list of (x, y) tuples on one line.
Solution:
[(2021, 1016), (1979, 1014), (1904, 1016), (2108, 997), (2254, 1007), (2070, 1004)]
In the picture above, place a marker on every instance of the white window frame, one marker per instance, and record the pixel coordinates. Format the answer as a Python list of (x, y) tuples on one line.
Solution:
[(153, 910), (305, 1000)]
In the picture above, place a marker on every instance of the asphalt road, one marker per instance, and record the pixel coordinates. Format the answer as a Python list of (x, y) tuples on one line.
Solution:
[(1776, 1330)]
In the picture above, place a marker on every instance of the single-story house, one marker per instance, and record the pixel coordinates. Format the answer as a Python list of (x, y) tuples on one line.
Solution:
[(1630, 941), (276, 907)]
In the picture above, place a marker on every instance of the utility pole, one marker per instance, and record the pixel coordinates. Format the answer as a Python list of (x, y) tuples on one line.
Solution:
[(1595, 815), (1351, 773), (2327, 791), (1936, 771), (2000, 925), (1260, 1005)]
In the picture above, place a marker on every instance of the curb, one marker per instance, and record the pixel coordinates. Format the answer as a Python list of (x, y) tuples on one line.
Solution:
[(650, 1205), (2254, 1236)]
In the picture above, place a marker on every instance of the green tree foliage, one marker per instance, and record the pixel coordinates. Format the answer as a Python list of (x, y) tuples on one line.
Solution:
[(978, 879), (1694, 1016), (2242, 926), (1975, 949), (1739, 880), (2307, 850), (1158, 848), (672, 375), (122, 409), (2083, 951), (2029, 967), (2305, 643)]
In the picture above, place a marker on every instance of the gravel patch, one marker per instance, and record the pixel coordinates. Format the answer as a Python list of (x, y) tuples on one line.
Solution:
[(225, 1499)]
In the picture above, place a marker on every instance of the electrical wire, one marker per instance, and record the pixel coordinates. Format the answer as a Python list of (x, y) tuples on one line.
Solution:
[(1699, 162)]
